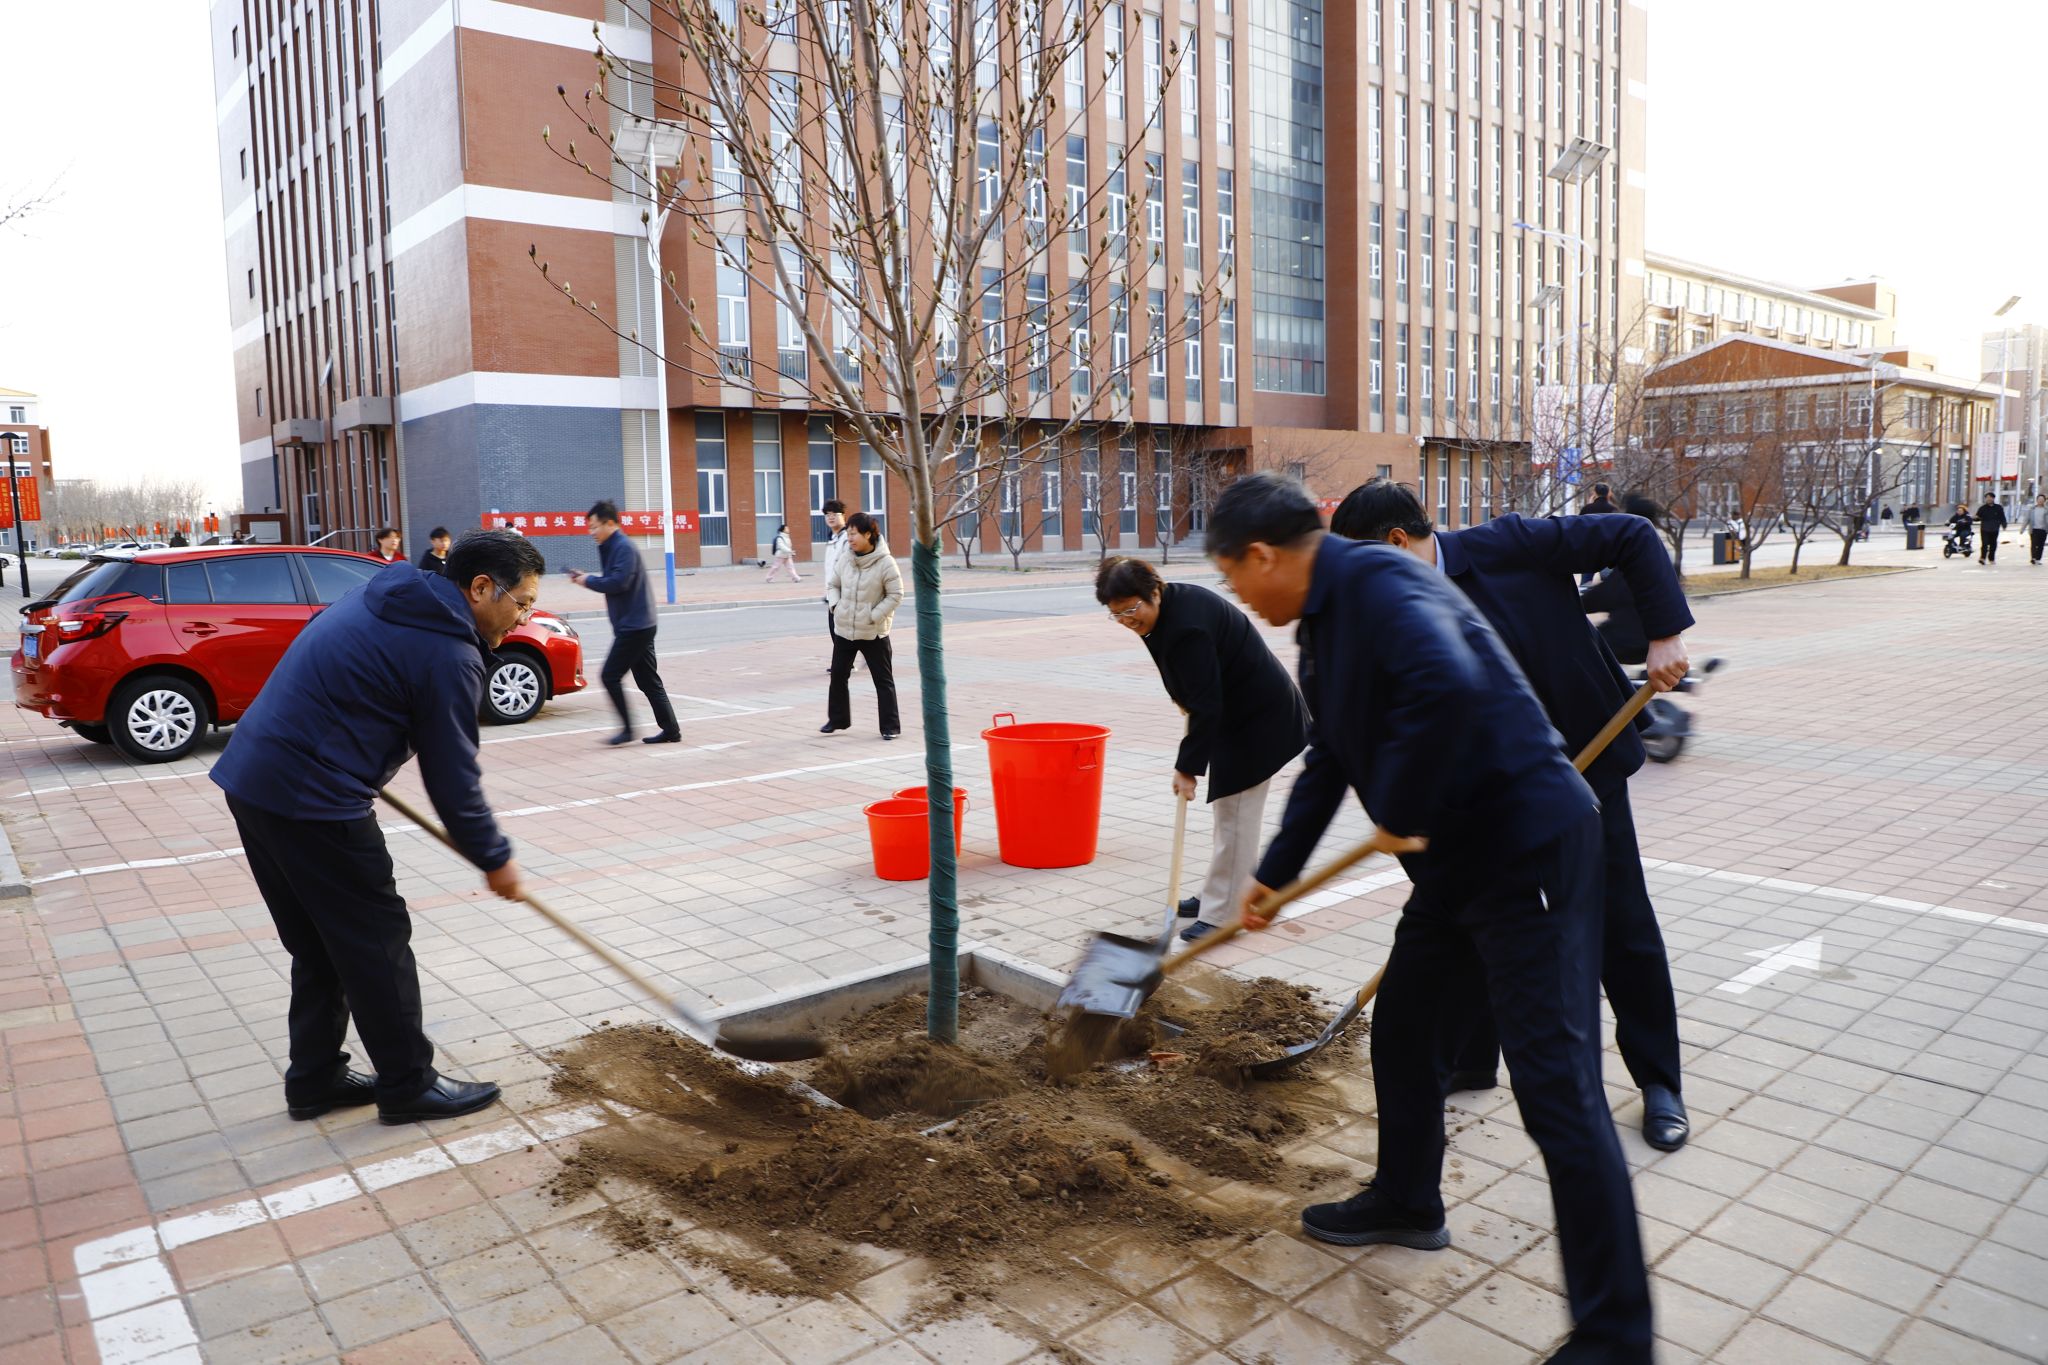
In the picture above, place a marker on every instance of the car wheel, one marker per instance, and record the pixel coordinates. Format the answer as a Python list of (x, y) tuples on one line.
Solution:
[(514, 690), (98, 734), (1663, 748), (157, 719)]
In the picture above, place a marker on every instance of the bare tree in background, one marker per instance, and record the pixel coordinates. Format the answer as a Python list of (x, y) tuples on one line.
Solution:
[(880, 174)]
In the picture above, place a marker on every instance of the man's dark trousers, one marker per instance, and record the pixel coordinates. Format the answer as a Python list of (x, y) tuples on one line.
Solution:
[(880, 655), (633, 652), (1633, 968), (1987, 545), (2037, 539), (329, 887), (1535, 927)]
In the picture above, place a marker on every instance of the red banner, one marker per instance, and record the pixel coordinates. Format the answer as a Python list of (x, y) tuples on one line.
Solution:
[(572, 523), (31, 498)]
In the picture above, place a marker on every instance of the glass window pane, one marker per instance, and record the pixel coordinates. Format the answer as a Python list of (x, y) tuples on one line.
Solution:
[(253, 579), (334, 576)]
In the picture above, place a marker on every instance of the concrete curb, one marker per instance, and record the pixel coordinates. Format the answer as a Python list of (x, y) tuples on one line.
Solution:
[(13, 885)]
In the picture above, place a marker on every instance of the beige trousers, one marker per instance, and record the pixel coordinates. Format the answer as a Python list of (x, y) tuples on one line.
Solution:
[(1238, 821)]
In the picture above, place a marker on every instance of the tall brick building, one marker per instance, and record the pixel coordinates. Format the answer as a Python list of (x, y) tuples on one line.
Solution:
[(1384, 165), (26, 443)]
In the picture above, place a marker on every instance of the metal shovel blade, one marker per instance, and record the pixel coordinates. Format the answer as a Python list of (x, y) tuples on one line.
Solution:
[(1301, 1052), (1113, 978)]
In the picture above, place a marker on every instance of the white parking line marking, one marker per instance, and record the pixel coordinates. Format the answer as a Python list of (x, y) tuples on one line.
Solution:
[(131, 1299), (215, 855)]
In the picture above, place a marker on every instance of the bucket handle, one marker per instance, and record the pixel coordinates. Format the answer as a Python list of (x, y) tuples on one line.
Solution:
[(994, 722), (1079, 766)]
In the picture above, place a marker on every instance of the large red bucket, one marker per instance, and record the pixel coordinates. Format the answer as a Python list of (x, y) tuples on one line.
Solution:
[(959, 809), (896, 832), (1048, 790)]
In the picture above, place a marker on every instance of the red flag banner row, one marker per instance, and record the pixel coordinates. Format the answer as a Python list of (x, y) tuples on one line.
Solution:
[(574, 523)]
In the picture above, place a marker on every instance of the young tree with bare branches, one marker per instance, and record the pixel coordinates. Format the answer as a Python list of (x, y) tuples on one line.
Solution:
[(883, 174)]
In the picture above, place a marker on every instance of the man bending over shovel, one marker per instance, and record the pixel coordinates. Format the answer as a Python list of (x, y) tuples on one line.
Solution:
[(1419, 710), (1521, 575)]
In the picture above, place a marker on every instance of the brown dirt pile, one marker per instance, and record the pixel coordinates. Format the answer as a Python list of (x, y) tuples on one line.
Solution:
[(1023, 1175)]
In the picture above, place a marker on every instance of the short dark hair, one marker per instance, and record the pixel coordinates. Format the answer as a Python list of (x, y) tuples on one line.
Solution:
[(384, 531), (1601, 490), (1268, 508), (437, 533), (865, 524), (1642, 505), (1377, 508), (1125, 577), (504, 555), (604, 509), (832, 505)]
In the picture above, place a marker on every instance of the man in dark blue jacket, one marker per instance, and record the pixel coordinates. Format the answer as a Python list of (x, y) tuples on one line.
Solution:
[(1419, 710), (1520, 574), (629, 602), (393, 668)]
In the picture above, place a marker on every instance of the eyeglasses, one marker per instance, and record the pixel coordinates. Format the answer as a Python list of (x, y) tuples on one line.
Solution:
[(526, 609), (1128, 614)]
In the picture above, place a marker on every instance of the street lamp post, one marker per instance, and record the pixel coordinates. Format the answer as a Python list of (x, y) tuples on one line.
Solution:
[(658, 143)]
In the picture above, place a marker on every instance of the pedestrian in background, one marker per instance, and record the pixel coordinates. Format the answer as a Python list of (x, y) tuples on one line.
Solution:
[(1990, 523), (784, 555), (393, 668), (629, 602), (864, 587), (1246, 720), (2037, 528), (1603, 501), (435, 557), (387, 544), (834, 513)]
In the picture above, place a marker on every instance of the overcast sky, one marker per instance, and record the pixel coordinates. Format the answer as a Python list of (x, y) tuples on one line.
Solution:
[(1808, 141)]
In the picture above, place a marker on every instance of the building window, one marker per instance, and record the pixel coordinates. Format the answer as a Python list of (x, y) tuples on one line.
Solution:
[(1127, 487), (1373, 150), (1226, 91), (767, 481), (1190, 84), (1401, 247), (1191, 369), (732, 308), (1155, 342), (1375, 379), (1038, 333), (1374, 247), (1226, 217), (824, 476), (1113, 58), (874, 491), (713, 529), (1191, 214), (1120, 340), (1051, 494), (1401, 370), (1155, 65), (1077, 195), (1079, 340), (1289, 298), (1118, 210), (18, 415), (1091, 486), (1428, 366), (791, 357), (1155, 200), (1226, 352)]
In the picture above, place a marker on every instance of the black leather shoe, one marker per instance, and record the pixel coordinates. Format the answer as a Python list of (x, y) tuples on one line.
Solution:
[(1664, 1122), (1197, 930), (1472, 1080), (354, 1088), (665, 737), (829, 728), (1191, 907), (1367, 1219), (446, 1098), (622, 737)]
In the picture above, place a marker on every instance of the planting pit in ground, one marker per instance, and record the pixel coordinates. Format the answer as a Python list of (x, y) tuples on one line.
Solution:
[(970, 1156)]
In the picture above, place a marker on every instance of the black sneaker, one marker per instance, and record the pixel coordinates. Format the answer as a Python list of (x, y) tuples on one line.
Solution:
[(1367, 1219), (622, 737), (1474, 1079), (1190, 907)]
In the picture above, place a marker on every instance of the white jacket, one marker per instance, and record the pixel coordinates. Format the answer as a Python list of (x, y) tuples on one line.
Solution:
[(783, 545), (864, 591)]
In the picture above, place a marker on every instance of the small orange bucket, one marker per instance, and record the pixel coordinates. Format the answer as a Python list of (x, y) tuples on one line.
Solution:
[(897, 834), (959, 809)]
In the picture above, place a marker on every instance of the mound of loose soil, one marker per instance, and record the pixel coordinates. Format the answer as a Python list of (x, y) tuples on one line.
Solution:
[(1024, 1174)]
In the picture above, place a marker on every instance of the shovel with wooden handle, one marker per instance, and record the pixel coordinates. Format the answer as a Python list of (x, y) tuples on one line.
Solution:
[(1301, 1052), (755, 1047)]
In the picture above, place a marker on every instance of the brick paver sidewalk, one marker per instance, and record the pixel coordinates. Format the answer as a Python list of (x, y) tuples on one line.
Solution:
[(1864, 1183)]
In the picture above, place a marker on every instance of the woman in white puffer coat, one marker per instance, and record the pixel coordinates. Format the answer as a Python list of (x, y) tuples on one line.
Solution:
[(864, 587)]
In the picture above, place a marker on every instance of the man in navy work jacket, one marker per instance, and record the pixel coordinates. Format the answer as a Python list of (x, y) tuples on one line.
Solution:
[(1245, 718), (1520, 574), (629, 602), (393, 668), (1418, 709)]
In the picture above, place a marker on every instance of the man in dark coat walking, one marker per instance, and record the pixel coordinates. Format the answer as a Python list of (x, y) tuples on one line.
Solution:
[(1418, 710), (1519, 573), (1245, 717), (392, 668), (1602, 502), (1990, 525), (629, 602)]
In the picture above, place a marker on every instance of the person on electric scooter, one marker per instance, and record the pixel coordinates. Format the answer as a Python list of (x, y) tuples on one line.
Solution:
[(1960, 526)]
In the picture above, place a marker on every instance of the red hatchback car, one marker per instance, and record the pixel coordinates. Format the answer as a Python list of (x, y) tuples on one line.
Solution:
[(147, 653)]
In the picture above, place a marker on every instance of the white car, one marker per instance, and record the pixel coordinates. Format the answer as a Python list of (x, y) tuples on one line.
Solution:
[(119, 549)]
